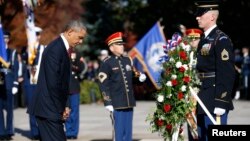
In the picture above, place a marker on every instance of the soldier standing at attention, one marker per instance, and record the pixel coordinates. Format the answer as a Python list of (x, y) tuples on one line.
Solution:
[(215, 65), (116, 75)]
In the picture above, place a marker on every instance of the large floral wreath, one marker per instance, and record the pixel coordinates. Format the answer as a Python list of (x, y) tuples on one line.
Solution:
[(174, 101)]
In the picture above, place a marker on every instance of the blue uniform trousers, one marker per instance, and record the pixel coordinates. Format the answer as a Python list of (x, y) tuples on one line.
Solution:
[(72, 123), (123, 124), (29, 91), (7, 103), (203, 121)]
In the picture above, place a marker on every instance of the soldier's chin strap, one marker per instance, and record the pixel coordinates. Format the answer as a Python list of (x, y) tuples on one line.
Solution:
[(203, 106)]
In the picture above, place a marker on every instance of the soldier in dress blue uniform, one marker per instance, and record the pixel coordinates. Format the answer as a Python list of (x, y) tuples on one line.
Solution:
[(77, 66), (30, 80), (115, 76), (215, 65), (11, 88)]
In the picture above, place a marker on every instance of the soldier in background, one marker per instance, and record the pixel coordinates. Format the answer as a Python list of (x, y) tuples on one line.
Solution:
[(193, 35), (77, 66), (30, 81), (103, 54), (10, 83), (245, 73)]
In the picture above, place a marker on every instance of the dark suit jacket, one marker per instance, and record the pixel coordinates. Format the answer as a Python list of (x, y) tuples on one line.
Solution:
[(52, 91)]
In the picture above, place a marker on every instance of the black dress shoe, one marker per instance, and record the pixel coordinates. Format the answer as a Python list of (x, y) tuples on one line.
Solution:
[(71, 137), (9, 137), (37, 137), (2, 138)]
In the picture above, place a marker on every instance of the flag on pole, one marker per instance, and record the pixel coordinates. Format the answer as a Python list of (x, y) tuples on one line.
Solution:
[(30, 30), (147, 53), (3, 53)]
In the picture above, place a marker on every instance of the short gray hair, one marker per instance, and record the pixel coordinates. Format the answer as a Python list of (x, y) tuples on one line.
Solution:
[(76, 25)]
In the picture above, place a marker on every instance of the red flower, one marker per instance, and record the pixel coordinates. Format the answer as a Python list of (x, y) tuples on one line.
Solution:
[(167, 108), (159, 122), (181, 130), (183, 55), (169, 127), (180, 95), (185, 42), (186, 79), (174, 82), (181, 69)]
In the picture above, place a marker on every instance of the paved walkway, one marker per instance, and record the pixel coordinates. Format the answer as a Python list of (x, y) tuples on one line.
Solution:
[(95, 124)]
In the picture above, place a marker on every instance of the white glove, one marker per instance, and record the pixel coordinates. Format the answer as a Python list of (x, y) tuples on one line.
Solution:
[(219, 111), (109, 108), (142, 77), (14, 90)]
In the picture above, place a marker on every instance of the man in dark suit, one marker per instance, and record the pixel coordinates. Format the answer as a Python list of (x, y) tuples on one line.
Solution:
[(50, 101), (215, 65)]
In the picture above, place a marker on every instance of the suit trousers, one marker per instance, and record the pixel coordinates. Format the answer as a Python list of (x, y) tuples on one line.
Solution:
[(203, 121), (51, 130), (29, 91), (123, 124)]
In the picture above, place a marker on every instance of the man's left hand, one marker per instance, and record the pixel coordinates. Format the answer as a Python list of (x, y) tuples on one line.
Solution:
[(66, 113)]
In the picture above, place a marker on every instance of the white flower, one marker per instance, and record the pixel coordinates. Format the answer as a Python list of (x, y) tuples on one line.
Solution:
[(185, 66), (171, 60), (173, 76), (178, 64), (183, 88), (196, 89), (183, 46), (187, 99), (169, 83), (162, 117), (169, 96), (188, 48), (160, 98)]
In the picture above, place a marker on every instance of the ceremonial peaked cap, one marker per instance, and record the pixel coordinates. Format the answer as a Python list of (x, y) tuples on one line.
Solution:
[(194, 32), (205, 6), (114, 38)]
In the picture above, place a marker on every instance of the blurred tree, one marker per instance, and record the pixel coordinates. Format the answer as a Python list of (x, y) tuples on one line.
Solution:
[(104, 17), (50, 15)]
